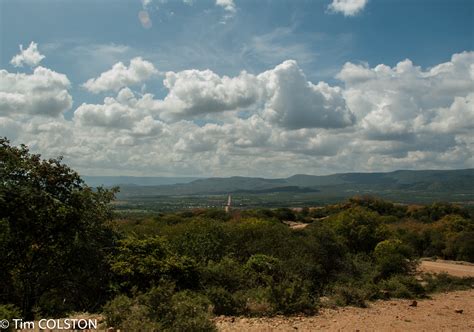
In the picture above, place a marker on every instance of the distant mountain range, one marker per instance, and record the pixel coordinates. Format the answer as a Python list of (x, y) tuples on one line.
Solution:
[(110, 181), (401, 181)]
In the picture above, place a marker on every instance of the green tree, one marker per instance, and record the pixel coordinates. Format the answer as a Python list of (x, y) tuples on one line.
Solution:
[(392, 256), (54, 235), (143, 263), (360, 229)]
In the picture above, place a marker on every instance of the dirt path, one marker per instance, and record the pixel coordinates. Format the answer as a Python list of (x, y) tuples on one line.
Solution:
[(436, 314), (458, 269), (295, 224)]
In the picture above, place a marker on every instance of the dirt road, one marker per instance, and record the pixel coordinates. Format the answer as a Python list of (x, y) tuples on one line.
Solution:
[(436, 314), (458, 269)]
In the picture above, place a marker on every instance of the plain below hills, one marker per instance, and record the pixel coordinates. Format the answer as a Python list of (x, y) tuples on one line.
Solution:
[(450, 185)]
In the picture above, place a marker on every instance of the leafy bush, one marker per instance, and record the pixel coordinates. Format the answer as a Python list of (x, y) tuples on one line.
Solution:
[(129, 314), (402, 286), (202, 240), (392, 257), (227, 273), (142, 263), (360, 229), (349, 295), (9, 312), (291, 297), (160, 310), (460, 246), (223, 301), (190, 312), (263, 270), (255, 301)]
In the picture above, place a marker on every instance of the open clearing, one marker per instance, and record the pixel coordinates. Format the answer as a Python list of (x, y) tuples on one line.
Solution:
[(458, 269), (436, 314)]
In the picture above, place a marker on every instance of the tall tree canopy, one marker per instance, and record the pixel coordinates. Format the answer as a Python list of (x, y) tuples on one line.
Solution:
[(54, 235)]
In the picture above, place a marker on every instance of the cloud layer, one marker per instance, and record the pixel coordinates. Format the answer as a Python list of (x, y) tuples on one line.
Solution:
[(274, 123)]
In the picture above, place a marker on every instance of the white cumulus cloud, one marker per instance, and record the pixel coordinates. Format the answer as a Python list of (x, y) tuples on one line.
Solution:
[(126, 111), (347, 7), (44, 92), (121, 76), (283, 94), (30, 56), (228, 5), (294, 102), (397, 102), (195, 92), (265, 124)]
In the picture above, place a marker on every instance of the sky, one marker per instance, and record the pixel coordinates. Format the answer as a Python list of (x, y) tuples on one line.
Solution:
[(266, 88)]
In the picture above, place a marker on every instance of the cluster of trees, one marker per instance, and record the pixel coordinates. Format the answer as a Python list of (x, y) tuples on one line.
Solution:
[(54, 236), (62, 250)]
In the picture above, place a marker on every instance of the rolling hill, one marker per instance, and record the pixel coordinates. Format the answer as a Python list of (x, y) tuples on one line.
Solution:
[(403, 181)]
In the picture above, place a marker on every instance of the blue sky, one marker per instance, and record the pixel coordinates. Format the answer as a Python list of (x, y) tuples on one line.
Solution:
[(82, 39), (387, 31)]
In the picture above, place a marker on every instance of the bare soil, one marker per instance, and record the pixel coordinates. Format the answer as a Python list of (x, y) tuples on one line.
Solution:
[(458, 269)]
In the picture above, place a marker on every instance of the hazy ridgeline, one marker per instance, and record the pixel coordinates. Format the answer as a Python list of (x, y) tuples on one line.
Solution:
[(64, 249)]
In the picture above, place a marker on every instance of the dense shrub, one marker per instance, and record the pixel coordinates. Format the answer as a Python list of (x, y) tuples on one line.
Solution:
[(392, 257), (255, 301), (263, 270), (201, 239), (160, 309), (9, 312), (360, 229), (228, 274), (190, 312), (223, 301), (292, 296), (142, 263), (402, 286), (349, 295)]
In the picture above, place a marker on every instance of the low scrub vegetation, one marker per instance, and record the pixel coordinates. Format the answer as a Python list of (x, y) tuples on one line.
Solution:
[(62, 250)]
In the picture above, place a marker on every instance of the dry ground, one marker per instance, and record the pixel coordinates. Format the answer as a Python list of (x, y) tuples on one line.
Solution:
[(458, 269)]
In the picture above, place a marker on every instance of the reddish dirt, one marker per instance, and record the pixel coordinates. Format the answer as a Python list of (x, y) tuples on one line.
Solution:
[(458, 269)]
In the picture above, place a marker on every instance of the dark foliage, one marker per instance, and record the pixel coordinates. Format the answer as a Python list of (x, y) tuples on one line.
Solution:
[(54, 235)]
